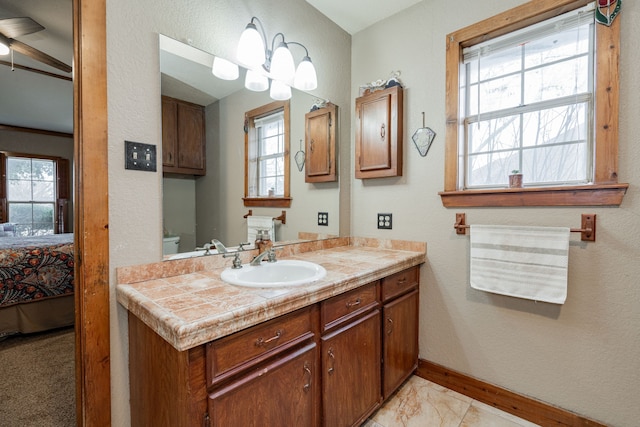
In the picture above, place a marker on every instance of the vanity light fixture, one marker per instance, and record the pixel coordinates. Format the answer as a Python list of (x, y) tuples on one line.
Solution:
[(224, 69), (278, 62), (4, 45)]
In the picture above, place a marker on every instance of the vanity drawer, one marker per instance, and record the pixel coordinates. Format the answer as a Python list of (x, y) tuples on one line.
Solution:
[(234, 353), (399, 283), (348, 305)]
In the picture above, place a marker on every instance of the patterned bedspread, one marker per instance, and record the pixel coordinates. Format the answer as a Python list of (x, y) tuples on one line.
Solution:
[(35, 268)]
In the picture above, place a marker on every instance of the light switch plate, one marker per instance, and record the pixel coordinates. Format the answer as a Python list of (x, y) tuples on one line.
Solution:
[(139, 156)]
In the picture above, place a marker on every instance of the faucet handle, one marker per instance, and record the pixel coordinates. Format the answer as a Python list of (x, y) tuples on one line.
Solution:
[(237, 263), (242, 245)]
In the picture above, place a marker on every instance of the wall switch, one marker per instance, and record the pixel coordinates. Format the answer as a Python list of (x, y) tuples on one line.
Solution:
[(385, 221), (323, 218), (139, 156)]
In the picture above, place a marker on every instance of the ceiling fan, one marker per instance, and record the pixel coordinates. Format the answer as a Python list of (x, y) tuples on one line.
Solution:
[(10, 28)]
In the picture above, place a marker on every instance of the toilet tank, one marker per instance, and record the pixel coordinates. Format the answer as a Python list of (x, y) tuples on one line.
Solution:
[(170, 245)]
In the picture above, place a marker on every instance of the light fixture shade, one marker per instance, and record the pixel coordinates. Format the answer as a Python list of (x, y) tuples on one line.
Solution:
[(306, 78), (256, 81), (280, 91), (251, 47), (224, 69), (282, 66), (4, 48)]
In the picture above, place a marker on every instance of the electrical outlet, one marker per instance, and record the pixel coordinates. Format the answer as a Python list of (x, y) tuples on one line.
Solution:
[(323, 218), (139, 156), (385, 221)]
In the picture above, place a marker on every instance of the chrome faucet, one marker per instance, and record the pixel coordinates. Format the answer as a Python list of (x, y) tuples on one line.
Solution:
[(219, 246), (269, 253)]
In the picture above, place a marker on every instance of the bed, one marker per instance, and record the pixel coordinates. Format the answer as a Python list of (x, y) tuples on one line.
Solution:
[(36, 283)]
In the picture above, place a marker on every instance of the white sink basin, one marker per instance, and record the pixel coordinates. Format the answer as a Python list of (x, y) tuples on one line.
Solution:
[(281, 273)]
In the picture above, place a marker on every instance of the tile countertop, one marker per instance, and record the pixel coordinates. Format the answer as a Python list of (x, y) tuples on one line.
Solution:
[(186, 303)]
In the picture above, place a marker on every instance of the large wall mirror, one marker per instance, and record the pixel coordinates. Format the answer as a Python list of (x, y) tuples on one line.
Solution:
[(201, 208)]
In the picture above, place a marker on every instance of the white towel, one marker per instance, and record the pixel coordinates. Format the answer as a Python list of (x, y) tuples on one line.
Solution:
[(524, 262), (255, 223)]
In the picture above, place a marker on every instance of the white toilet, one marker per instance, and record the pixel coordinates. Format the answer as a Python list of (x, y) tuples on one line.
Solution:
[(170, 245)]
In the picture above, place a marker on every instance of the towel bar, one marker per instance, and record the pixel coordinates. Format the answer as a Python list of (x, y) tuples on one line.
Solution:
[(587, 226), (282, 218)]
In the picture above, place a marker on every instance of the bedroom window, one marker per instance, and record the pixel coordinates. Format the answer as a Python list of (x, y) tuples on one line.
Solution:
[(30, 195), (267, 156), (533, 89)]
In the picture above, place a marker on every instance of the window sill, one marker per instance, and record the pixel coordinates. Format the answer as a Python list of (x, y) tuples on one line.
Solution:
[(268, 202), (583, 195)]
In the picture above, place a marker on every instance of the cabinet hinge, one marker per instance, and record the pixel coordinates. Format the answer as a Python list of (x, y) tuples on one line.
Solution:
[(206, 420)]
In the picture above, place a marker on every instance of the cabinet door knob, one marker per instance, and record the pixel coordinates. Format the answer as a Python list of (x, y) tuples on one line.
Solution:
[(390, 326), (307, 372), (382, 131), (332, 358)]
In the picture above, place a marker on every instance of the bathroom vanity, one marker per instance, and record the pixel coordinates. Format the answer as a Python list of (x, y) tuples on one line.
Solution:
[(326, 353)]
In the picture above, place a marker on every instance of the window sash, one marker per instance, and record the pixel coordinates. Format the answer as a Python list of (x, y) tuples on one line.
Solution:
[(474, 114)]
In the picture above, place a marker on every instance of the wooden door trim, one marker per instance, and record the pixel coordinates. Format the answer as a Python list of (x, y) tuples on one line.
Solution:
[(91, 212)]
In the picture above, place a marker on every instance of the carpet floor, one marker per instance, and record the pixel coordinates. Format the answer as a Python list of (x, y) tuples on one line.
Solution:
[(37, 384)]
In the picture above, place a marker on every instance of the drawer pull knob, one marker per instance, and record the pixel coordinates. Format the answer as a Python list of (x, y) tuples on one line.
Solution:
[(261, 342), (402, 281), (353, 303), (307, 372), (390, 324)]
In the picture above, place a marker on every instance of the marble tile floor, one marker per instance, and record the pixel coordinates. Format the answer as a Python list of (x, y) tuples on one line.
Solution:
[(421, 403)]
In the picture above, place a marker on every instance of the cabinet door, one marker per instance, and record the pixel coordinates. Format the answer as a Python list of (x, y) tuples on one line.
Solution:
[(320, 143), (351, 372), (400, 341), (379, 134), (169, 132), (191, 137), (282, 393)]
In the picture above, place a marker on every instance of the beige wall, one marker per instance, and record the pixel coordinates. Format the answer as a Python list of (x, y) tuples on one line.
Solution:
[(581, 356), (135, 198)]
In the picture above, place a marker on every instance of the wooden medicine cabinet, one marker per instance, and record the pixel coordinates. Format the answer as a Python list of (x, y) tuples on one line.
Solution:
[(379, 134), (320, 144)]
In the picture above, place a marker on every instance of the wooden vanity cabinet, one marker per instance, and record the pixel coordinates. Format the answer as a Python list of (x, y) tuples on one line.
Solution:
[(331, 363), (351, 357), (283, 392), (400, 299), (183, 137), (267, 374), (320, 144), (379, 134)]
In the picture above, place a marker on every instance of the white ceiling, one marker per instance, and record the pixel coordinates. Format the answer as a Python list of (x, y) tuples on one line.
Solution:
[(35, 100), (356, 15)]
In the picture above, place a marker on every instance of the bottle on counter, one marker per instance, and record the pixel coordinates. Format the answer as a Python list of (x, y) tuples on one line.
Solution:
[(267, 243), (258, 242)]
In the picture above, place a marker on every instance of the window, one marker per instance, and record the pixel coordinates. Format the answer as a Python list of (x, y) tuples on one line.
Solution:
[(267, 156), (522, 93), (33, 194)]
